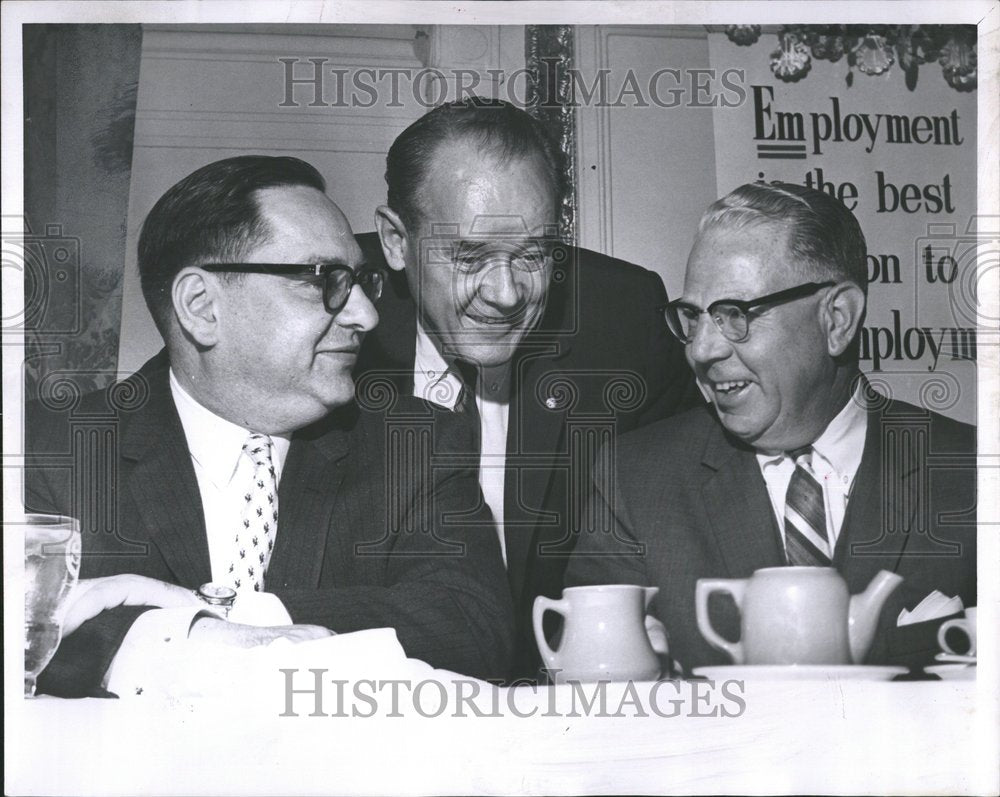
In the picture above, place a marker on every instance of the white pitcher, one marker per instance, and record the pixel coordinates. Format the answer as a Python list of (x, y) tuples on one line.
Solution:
[(604, 634)]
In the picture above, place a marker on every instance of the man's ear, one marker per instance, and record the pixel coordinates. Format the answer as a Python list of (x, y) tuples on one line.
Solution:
[(392, 234), (843, 312), (194, 297)]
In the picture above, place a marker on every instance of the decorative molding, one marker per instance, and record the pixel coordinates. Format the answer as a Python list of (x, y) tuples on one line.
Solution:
[(595, 224), (272, 130), (225, 88), (474, 46), (597, 152), (549, 59), (643, 172), (656, 31), (273, 30), (467, 59), (351, 44)]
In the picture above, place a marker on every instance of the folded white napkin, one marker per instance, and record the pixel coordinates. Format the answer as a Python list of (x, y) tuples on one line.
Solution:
[(187, 669), (935, 605), (259, 608)]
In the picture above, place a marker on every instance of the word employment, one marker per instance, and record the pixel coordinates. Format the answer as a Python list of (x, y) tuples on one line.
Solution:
[(832, 124), (879, 344)]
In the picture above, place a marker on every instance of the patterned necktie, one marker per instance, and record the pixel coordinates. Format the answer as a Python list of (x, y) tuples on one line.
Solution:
[(255, 535), (806, 541), (466, 404)]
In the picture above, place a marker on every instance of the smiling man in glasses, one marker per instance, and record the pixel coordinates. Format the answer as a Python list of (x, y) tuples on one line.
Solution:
[(225, 474), (796, 461)]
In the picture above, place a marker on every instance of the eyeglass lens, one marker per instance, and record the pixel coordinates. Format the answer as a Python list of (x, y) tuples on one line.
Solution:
[(471, 256), (730, 320), (339, 283)]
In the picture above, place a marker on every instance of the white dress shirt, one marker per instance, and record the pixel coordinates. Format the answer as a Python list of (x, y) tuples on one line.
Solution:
[(222, 471), (835, 462), (435, 381)]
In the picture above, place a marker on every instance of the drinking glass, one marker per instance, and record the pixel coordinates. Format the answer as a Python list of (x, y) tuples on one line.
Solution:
[(51, 569)]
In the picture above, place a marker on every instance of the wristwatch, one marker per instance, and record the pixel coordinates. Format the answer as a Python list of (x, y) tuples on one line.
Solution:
[(217, 595)]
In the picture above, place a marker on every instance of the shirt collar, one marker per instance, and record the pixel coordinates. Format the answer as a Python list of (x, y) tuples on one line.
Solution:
[(841, 444), (435, 380), (432, 380), (843, 441), (428, 359), (215, 443)]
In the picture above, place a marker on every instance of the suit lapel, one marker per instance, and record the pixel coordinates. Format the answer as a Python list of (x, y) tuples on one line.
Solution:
[(310, 487), (162, 483), (542, 400), (746, 530), (735, 500), (868, 540), (536, 424)]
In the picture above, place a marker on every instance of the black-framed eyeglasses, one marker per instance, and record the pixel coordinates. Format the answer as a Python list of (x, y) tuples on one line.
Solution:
[(338, 279), (731, 316)]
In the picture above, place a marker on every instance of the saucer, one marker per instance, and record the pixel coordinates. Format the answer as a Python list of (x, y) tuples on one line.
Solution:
[(800, 672), (952, 672), (954, 658)]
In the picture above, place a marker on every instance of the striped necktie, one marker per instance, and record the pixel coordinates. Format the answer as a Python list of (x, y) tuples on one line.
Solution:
[(806, 540)]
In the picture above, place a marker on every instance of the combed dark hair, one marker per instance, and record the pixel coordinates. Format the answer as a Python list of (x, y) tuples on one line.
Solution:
[(822, 235), (498, 128), (212, 215)]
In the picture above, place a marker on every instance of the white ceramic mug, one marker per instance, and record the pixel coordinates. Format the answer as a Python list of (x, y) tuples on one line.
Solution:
[(959, 626)]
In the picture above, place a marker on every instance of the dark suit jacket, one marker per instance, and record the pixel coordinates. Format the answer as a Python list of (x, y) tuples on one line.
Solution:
[(367, 533), (688, 501), (601, 362)]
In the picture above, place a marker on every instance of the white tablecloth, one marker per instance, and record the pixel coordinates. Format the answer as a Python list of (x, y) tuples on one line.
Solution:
[(793, 737)]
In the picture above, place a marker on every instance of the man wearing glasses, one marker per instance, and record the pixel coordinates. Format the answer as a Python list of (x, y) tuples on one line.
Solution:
[(797, 461), (547, 349), (229, 480)]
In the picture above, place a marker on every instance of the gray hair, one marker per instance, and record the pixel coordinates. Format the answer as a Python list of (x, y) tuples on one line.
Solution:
[(822, 235)]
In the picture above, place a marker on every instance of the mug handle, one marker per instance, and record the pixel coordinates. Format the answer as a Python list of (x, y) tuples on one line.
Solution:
[(703, 589), (542, 605), (962, 624)]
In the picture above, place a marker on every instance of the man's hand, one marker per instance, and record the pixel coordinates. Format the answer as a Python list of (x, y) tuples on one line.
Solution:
[(214, 629), (92, 596)]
